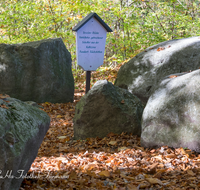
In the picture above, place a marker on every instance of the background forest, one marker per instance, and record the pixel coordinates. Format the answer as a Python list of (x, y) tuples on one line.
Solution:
[(136, 24)]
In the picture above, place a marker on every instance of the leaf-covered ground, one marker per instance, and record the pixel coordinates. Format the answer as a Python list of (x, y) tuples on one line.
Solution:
[(115, 162)]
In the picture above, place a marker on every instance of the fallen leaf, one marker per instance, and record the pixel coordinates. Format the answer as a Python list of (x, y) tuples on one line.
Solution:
[(159, 173), (4, 106), (127, 177), (62, 137), (104, 173), (110, 134), (73, 175), (131, 187), (2, 96), (172, 76), (152, 151), (63, 149), (158, 157), (144, 185), (170, 156), (59, 116), (152, 168), (90, 166), (154, 181), (112, 142), (122, 148), (160, 48), (190, 172)]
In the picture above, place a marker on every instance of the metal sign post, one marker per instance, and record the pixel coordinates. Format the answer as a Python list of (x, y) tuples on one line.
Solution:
[(88, 76), (90, 44)]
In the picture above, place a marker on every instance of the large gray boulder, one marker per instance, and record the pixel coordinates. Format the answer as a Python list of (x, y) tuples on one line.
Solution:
[(105, 109), (172, 114), (22, 129), (147, 69), (37, 71)]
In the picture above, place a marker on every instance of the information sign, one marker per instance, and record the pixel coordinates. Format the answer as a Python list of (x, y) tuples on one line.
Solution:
[(90, 42), (90, 45)]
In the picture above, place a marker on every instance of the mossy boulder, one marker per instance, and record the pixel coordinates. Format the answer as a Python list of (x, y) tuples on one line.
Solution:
[(105, 109), (37, 71), (22, 129)]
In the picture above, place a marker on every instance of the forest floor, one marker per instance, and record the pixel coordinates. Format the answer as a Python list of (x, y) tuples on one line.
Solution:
[(116, 162)]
